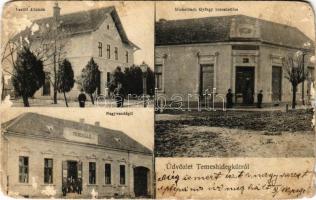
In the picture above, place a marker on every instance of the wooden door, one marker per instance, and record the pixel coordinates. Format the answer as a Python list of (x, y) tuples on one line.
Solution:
[(245, 84)]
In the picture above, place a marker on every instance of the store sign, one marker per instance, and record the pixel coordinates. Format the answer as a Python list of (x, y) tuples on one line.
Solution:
[(80, 136)]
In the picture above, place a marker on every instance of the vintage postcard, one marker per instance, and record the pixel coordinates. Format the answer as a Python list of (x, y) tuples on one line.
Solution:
[(235, 97), (157, 100)]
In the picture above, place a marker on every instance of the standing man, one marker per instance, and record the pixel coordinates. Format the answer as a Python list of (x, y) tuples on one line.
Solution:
[(82, 99), (229, 99), (259, 98), (119, 95)]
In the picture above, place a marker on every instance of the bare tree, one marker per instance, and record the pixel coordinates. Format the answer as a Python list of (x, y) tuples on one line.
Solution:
[(46, 40), (50, 47), (8, 54), (293, 66)]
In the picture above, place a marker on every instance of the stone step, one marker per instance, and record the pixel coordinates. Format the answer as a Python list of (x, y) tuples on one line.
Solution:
[(73, 196)]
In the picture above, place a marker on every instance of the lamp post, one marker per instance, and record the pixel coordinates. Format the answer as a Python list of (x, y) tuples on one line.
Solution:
[(144, 68)]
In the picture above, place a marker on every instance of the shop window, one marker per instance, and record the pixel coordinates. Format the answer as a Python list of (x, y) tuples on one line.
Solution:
[(107, 173), (92, 172), (48, 171), (23, 169), (122, 175)]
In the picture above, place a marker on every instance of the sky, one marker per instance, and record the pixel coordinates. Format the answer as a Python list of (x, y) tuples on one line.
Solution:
[(137, 19), (296, 14)]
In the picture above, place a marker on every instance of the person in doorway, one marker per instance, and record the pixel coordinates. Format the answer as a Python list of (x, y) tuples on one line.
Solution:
[(229, 99), (79, 186), (259, 99), (82, 99), (119, 95)]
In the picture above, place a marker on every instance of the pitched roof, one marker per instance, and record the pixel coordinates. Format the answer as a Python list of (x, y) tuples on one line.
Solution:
[(36, 125), (83, 22), (217, 29)]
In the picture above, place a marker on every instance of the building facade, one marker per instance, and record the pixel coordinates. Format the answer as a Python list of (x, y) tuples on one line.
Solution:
[(80, 36), (41, 153), (241, 53)]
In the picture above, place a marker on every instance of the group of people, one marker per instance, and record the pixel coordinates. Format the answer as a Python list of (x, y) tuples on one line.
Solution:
[(72, 186), (229, 98), (118, 93)]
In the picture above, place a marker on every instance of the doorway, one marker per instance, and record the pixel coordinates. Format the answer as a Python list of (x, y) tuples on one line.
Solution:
[(141, 176), (72, 177), (245, 84), (72, 170)]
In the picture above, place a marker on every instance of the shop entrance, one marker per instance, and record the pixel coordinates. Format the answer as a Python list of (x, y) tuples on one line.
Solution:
[(141, 181), (72, 177), (245, 84)]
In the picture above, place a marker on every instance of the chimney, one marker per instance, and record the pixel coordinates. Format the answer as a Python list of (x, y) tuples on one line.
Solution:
[(81, 120), (97, 123), (56, 11)]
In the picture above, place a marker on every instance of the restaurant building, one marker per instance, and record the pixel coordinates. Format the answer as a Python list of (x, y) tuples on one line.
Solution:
[(237, 52), (73, 158)]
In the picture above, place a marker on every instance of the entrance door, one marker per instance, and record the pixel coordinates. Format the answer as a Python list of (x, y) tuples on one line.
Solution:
[(72, 177), (245, 83), (141, 181), (276, 83), (72, 170), (206, 79)]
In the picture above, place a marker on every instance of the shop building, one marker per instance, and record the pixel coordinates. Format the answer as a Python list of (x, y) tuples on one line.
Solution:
[(237, 52), (40, 152)]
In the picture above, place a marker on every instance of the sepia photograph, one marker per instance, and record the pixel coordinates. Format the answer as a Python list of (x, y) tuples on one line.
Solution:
[(78, 53), (88, 154), (234, 79)]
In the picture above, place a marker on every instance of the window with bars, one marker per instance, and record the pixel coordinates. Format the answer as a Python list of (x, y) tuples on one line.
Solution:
[(100, 49), (48, 171), (23, 169), (107, 173), (122, 175), (92, 172)]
